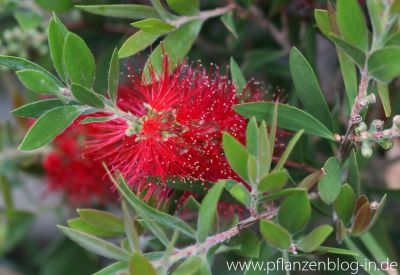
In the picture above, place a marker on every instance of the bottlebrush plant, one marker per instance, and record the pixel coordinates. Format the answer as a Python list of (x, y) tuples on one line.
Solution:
[(204, 163)]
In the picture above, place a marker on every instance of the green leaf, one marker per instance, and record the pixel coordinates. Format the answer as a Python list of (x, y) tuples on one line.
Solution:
[(351, 23), (290, 118), (136, 43), (81, 225), (88, 120), (129, 11), (334, 250), (237, 76), (393, 40), (374, 247), (273, 181), (330, 184), (252, 137), (115, 268), (184, 7), (288, 150), (161, 217), (360, 257), (207, 212), (264, 151), (194, 265), (37, 108), (19, 64), (383, 90), (353, 177), (309, 181), (307, 88), (236, 155), (49, 125), (154, 26), (95, 245), (376, 9), (344, 203), (227, 20), (238, 191), (349, 75), (102, 219), (384, 64), (282, 193), (315, 238), (357, 55), (86, 96), (130, 230), (161, 10), (176, 45), (295, 212), (39, 82), (275, 235), (28, 20), (138, 264), (79, 60), (56, 36), (249, 244), (252, 169), (322, 20)]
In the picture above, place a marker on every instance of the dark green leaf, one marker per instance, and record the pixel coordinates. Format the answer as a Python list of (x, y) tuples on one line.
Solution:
[(344, 203), (349, 75), (95, 245), (249, 244), (184, 7), (129, 11), (329, 185), (273, 181), (383, 90), (28, 20), (88, 120), (86, 96), (49, 125), (252, 136), (79, 60), (81, 225), (384, 64), (236, 155), (357, 55), (102, 219), (227, 19), (351, 23), (113, 76), (39, 82), (315, 238), (37, 108), (295, 212), (138, 264), (136, 43), (237, 76), (207, 212), (289, 117), (282, 193), (154, 26), (56, 36), (307, 88), (264, 151), (275, 235)]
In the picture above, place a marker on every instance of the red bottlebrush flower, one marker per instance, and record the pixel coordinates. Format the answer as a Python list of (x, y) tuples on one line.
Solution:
[(177, 129), (79, 176)]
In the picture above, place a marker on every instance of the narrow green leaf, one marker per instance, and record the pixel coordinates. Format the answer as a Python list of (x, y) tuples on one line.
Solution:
[(378, 212), (154, 26), (275, 235), (113, 76), (283, 193), (330, 184), (55, 6), (383, 90), (252, 136), (81, 225), (88, 120), (115, 268), (290, 118), (264, 154), (39, 82), (176, 45), (360, 257), (272, 134), (102, 219), (194, 265), (37, 108), (95, 245), (28, 20), (236, 155), (375, 10), (252, 169), (129, 11), (237, 76), (227, 20), (349, 75), (184, 7), (238, 191), (273, 181), (307, 88), (384, 64), (208, 210), (86, 96), (344, 203), (138, 264), (352, 24), (374, 247), (288, 150), (357, 55), (335, 250), (79, 60), (322, 20), (130, 230), (295, 212), (136, 43), (353, 177), (315, 238), (56, 35), (164, 14), (49, 125)]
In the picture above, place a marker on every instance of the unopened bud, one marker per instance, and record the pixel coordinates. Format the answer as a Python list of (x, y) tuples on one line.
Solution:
[(362, 127), (376, 125), (366, 149)]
